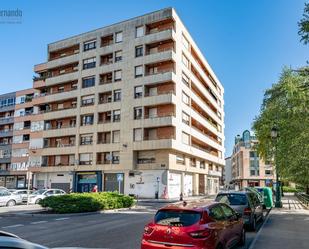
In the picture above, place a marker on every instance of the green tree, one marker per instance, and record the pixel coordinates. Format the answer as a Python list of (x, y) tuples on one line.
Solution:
[(303, 25), (286, 107)]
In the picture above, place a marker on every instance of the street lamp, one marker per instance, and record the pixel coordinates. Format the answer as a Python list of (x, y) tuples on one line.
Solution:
[(274, 136)]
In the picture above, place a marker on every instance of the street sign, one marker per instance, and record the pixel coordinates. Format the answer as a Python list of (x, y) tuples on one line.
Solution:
[(120, 177)]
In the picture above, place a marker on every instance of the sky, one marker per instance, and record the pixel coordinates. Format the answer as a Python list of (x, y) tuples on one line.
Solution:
[(246, 42)]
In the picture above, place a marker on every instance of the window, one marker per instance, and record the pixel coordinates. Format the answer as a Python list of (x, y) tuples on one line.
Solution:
[(139, 31), (85, 139), (87, 100), (185, 138), (137, 134), (88, 82), (89, 63), (116, 136), (185, 42), (117, 95), (138, 92), (115, 157), (117, 75), (185, 118), (139, 51), (185, 98), (138, 112), (85, 158), (138, 71), (192, 162), (116, 115), (185, 61), (118, 37), (89, 45), (227, 211), (87, 119), (202, 165), (253, 154), (118, 56), (216, 213), (185, 79), (268, 172), (180, 159)]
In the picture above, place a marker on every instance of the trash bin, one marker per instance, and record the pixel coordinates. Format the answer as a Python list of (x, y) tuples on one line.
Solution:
[(157, 195)]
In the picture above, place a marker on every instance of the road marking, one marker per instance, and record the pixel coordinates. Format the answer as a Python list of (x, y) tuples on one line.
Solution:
[(12, 226), (307, 219), (65, 218), (38, 222), (288, 218), (259, 232)]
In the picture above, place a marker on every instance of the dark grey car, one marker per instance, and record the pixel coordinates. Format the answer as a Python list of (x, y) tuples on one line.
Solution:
[(245, 203)]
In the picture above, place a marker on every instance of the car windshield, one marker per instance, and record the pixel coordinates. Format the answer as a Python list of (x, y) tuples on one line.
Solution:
[(232, 199), (177, 218), (39, 192)]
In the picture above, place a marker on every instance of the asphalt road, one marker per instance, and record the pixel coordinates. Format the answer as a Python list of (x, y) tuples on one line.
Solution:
[(110, 230)]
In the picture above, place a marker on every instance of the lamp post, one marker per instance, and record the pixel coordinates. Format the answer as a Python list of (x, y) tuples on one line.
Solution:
[(278, 203)]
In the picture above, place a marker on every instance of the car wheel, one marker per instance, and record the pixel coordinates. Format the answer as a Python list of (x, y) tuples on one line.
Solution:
[(37, 201), (253, 224), (11, 203), (242, 239)]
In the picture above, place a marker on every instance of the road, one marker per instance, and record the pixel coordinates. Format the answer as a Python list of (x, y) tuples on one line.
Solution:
[(109, 230)]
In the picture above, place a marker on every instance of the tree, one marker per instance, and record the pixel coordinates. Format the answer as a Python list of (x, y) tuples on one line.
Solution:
[(303, 25), (286, 107)]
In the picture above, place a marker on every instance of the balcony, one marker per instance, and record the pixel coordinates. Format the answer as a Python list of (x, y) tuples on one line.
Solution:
[(106, 59), (58, 160), (155, 27), (64, 52), (105, 97), (158, 133), (104, 117), (199, 127), (159, 68), (87, 102), (59, 142), (159, 89), (161, 46), (198, 144), (107, 40), (104, 138), (6, 120), (6, 133)]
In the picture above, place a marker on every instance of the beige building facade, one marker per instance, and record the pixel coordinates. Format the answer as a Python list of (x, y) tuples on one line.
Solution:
[(248, 170), (133, 107)]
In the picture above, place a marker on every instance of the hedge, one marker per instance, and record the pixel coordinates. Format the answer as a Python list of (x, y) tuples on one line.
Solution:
[(86, 202), (289, 189)]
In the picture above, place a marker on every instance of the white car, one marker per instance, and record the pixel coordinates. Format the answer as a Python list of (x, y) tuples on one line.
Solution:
[(9, 199), (22, 192), (41, 194)]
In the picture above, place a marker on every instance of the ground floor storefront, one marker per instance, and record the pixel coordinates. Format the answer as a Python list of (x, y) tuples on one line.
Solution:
[(164, 184), (242, 183), (13, 181)]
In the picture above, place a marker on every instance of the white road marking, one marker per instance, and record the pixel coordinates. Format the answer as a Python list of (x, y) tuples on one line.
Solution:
[(65, 218), (12, 226), (288, 218), (38, 222)]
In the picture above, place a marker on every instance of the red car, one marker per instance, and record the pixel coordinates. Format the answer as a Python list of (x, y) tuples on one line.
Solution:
[(195, 225)]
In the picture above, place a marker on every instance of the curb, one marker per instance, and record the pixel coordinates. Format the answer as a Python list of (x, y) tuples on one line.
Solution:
[(37, 214)]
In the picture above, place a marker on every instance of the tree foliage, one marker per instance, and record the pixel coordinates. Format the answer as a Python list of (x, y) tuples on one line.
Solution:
[(286, 106), (303, 25)]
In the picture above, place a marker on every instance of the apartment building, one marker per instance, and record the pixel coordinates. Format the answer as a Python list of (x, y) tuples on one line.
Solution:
[(247, 168), (132, 107)]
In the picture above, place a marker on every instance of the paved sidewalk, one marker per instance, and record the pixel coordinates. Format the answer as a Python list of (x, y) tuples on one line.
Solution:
[(20, 209), (285, 228)]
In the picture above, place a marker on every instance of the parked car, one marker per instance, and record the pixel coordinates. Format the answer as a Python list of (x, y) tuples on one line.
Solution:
[(258, 193), (3, 188), (9, 199), (245, 203), (38, 195), (267, 195), (22, 192), (198, 224), (8, 240)]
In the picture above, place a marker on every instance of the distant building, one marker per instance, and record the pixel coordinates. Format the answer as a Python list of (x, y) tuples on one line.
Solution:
[(247, 168), (228, 171)]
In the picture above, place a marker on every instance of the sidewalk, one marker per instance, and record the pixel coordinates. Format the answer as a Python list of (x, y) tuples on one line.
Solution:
[(185, 198), (284, 228)]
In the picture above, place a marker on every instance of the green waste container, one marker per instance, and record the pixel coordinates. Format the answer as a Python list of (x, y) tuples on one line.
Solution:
[(268, 196)]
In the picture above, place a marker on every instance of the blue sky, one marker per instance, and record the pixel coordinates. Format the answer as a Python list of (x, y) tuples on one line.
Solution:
[(247, 42)]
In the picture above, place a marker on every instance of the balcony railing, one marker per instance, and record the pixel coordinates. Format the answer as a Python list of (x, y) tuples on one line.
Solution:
[(87, 102), (147, 138), (55, 110), (159, 93), (104, 161), (58, 145), (87, 142), (159, 72), (85, 162), (149, 52), (161, 115), (59, 127)]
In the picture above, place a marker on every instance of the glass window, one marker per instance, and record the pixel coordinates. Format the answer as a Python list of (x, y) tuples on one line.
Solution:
[(138, 92), (88, 82), (185, 138), (185, 98), (115, 157), (118, 75), (138, 71), (185, 118), (138, 112), (185, 61), (118, 56), (89, 63), (116, 115), (228, 212), (116, 136), (139, 51), (232, 199), (185, 79), (87, 119), (216, 213), (137, 133), (89, 45), (139, 31), (177, 218), (118, 37), (117, 95), (180, 159)]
